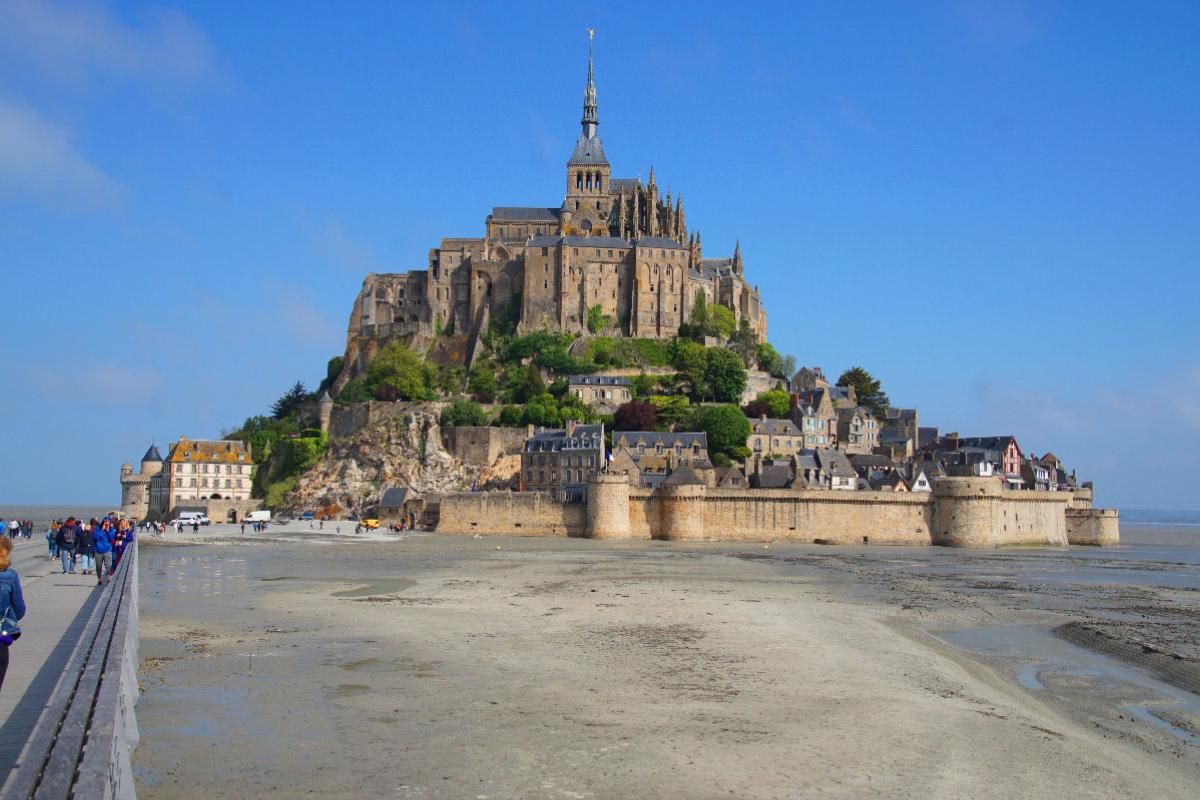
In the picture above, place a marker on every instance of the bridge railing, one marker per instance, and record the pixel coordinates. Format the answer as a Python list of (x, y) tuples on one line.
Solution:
[(82, 745)]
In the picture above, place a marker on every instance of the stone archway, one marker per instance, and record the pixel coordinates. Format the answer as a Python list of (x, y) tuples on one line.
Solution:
[(231, 515)]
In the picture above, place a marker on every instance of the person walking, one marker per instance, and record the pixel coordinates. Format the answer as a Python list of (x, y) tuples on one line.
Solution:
[(104, 553), (85, 547), (65, 540), (12, 604), (51, 533)]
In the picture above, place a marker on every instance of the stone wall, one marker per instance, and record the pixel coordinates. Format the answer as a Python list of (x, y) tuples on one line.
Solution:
[(961, 512), (510, 513), (482, 445), (1093, 526)]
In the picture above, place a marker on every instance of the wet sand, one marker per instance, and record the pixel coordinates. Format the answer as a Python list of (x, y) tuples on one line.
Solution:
[(429, 666)]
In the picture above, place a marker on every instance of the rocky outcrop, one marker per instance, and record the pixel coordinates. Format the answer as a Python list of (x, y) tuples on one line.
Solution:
[(405, 450)]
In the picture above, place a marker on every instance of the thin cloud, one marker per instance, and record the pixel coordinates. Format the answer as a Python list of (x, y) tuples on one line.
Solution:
[(104, 382), (76, 41), (37, 156), (302, 321)]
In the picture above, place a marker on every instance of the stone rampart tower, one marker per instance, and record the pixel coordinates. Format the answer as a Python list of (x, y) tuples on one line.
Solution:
[(135, 487), (608, 507)]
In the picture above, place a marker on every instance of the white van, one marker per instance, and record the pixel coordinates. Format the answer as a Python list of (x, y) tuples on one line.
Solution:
[(257, 516), (192, 518)]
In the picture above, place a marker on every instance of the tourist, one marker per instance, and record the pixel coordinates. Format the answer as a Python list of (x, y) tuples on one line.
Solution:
[(104, 548), (243, 527), (85, 546), (12, 604), (51, 533), (65, 540)]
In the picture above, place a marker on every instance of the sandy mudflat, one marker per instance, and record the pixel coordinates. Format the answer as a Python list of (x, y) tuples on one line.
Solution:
[(433, 667)]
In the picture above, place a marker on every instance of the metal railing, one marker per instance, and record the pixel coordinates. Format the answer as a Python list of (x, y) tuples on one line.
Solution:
[(82, 745)]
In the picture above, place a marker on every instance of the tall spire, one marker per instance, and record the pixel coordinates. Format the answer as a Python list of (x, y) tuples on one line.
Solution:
[(590, 118)]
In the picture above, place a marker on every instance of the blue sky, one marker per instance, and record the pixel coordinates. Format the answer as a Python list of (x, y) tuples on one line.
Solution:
[(991, 205)]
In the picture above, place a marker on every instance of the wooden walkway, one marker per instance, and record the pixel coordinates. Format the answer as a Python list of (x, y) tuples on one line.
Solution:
[(58, 608)]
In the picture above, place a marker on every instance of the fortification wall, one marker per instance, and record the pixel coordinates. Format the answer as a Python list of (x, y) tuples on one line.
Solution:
[(1093, 526), (482, 445), (977, 512), (510, 513), (961, 512)]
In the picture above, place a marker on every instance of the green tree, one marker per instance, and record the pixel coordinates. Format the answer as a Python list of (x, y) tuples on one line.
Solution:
[(744, 343), (725, 425), (776, 402), (402, 369), (355, 391), (768, 359), (699, 315), (450, 379), (463, 412), (481, 383), (291, 402), (721, 322), (531, 386), (690, 359), (867, 389), (673, 409), (643, 385), (724, 375), (597, 320)]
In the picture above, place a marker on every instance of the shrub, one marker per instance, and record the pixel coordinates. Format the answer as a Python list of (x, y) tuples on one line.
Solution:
[(725, 375), (463, 412), (597, 320), (355, 391)]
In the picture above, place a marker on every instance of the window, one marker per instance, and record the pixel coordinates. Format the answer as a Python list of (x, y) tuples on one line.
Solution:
[(545, 251)]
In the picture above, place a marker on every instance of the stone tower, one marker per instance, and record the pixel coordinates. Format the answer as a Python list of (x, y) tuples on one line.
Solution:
[(135, 487), (325, 411), (586, 207)]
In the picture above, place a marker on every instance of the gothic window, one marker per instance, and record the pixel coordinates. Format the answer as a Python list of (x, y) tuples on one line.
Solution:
[(578, 181), (545, 284)]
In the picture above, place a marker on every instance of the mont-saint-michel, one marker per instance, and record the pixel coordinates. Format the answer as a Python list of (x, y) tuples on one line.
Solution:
[(549, 509)]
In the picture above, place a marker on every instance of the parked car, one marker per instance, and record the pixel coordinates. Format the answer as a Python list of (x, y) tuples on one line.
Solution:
[(192, 518), (370, 524)]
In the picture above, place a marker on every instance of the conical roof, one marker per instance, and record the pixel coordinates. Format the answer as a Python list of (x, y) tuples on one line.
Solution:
[(152, 454)]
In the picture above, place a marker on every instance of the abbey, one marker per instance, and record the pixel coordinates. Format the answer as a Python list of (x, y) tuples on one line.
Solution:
[(616, 243)]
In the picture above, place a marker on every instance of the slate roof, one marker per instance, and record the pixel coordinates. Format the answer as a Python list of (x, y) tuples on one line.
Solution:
[(579, 241), (871, 460), (651, 438), (597, 380), (659, 241), (774, 427), (893, 414), (588, 151), (683, 476), (623, 184), (773, 476), (732, 476), (152, 454), (835, 463), (585, 437), (986, 442), (394, 497), (524, 214)]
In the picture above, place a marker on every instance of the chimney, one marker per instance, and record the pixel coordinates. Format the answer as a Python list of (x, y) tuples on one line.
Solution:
[(570, 427), (952, 441), (764, 417)]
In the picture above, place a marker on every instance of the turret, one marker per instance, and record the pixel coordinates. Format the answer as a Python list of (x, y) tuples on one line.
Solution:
[(325, 411)]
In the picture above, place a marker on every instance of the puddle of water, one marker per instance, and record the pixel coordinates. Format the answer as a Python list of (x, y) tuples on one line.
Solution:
[(1034, 653), (369, 665), (160, 648), (379, 586), (1145, 714)]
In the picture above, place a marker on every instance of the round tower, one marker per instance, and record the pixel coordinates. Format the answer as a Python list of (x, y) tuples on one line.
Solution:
[(608, 507), (152, 462), (325, 411), (681, 512)]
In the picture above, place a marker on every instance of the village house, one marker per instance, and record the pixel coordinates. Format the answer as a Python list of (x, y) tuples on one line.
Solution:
[(773, 474), (857, 429), (813, 413), (649, 457), (560, 461), (770, 437), (196, 471), (604, 393), (728, 478)]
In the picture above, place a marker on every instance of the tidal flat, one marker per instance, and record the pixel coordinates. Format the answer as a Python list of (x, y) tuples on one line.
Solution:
[(439, 666)]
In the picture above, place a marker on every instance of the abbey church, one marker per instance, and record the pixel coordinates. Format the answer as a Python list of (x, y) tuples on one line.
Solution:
[(616, 243)]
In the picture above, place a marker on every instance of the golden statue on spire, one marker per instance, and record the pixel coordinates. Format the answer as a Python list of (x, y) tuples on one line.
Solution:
[(591, 34)]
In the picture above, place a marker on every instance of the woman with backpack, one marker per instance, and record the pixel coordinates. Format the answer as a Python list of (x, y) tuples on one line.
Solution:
[(12, 604)]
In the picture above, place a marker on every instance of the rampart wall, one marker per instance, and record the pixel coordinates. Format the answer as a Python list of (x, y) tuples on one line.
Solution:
[(482, 445), (960, 512), (510, 513), (1093, 526)]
